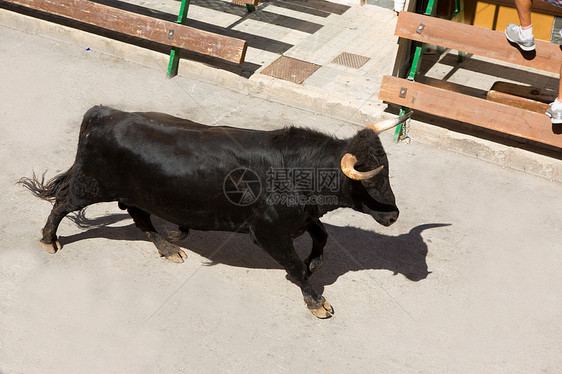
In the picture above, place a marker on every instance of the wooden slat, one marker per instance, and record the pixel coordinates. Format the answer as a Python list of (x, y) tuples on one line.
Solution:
[(524, 97), (517, 101), (224, 47), (541, 94), (480, 112), (476, 40)]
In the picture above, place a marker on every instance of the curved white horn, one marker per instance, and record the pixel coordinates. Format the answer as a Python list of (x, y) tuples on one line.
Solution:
[(389, 123), (348, 162)]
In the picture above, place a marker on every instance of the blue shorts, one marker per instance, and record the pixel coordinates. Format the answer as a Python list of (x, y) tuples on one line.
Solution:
[(554, 2)]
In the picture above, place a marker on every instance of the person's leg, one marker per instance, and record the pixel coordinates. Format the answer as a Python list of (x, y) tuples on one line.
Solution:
[(522, 35), (560, 85), (555, 110), (524, 12)]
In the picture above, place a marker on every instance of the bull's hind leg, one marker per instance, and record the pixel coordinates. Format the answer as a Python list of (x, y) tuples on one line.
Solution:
[(282, 250), (65, 198), (49, 240), (61, 208), (178, 235), (166, 249)]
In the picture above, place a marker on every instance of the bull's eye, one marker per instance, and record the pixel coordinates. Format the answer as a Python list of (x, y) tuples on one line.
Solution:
[(368, 184)]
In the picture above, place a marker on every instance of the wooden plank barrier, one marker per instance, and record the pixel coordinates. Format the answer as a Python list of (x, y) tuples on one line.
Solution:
[(525, 119), (144, 27), (476, 40), (492, 115)]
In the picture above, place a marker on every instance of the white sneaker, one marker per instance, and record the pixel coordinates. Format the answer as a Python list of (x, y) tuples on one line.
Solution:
[(513, 34), (554, 114)]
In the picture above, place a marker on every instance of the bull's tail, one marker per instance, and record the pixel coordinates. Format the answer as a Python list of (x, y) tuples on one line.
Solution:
[(56, 187)]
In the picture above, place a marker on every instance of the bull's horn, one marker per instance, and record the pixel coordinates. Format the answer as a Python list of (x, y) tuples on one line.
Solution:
[(389, 123), (348, 162)]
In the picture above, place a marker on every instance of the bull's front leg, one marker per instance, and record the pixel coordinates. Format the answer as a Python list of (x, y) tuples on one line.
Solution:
[(280, 247), (319, 237)]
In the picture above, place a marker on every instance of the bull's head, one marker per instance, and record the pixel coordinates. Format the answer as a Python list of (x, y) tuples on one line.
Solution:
[(366, 165)]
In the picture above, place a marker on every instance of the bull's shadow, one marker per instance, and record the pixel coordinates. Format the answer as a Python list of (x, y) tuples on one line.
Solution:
[(348, 248)]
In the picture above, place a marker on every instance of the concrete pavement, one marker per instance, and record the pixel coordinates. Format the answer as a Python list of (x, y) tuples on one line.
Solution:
[(490, 236)]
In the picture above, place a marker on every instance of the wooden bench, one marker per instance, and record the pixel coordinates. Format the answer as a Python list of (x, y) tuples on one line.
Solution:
[(140, 26), (494, 115)]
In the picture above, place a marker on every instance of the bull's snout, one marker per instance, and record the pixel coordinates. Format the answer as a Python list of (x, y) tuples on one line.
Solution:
[(387, 219)]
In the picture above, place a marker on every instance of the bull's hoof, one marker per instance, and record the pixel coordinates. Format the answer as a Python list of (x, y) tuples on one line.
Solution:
[(172, 253), (166, 249), (51, 247), (322, 309)]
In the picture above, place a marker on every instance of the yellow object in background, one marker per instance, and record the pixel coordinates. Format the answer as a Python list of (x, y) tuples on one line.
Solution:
[(496, 17)]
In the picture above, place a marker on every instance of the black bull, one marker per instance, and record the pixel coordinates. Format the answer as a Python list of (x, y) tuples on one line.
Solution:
[(274, 185)]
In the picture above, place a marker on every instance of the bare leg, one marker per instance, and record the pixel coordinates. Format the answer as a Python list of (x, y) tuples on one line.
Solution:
[(560, 85), (524, 11)]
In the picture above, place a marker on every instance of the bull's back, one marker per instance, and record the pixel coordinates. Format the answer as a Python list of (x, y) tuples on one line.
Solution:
[(168, 166)]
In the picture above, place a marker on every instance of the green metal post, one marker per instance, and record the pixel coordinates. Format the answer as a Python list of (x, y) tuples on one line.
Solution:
[(431, 8), (459, 16), (420, 47), (175, 52)]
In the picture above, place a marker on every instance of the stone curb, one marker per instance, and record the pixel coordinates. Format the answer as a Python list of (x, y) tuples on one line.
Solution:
[(299, 96)]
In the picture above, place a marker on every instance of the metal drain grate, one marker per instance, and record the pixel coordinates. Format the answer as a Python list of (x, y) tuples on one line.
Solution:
[(351, 60), (290, 69)]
